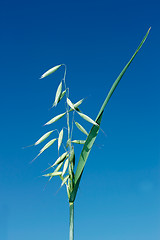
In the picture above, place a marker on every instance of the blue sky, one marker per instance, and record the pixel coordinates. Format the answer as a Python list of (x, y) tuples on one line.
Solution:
[(119, 193)]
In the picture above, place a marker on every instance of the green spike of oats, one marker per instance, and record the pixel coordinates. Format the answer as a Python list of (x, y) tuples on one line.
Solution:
[(46, 135), (52, 174), (58, 167), (50, 71), (79, 141), (60, 159), (56, 170), (70, 104), (60, 139), (79, 126), (68, 143), (72, 180), (77, 104), (65, 166), (45, 147), (48, 145), (88, 119), (61, 96), (55, 119), (58, 94), (64, 180), (72, 157)]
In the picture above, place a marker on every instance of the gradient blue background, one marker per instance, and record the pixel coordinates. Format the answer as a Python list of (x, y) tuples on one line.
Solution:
[(119, 194)]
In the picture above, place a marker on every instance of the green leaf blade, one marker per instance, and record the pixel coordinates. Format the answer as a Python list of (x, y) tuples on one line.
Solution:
[(94, 130)]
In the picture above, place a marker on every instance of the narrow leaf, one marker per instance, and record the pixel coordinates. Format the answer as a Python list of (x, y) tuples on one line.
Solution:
[(88, 119), (50, 71), (46, 135), (55, 119), (60, 139), (58, 94), (79, 126), (94, 130)]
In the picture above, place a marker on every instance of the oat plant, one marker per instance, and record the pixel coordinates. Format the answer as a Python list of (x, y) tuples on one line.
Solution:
[(64, 165)]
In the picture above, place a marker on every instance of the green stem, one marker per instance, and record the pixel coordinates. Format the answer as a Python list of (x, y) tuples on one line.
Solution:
[(71, 221)]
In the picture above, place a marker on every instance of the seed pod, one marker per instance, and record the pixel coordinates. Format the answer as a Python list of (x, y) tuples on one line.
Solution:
[(52, 174), (88, 119), (45, 147), (50, 71), (79, 126), (64, 180), (79, 141), (43, 137), (48, 145), (76, 105), (59, 167), (60, 159), (55, 119), (58, 94), (70, 104), (60, 139), (65, 166), (68, 143), (72, 157)]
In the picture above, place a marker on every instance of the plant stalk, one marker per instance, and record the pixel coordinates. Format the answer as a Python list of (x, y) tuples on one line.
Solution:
[(71, 221)]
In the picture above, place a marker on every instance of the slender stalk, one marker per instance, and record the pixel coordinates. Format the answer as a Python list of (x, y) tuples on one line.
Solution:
[(71, 221), (67, 108)]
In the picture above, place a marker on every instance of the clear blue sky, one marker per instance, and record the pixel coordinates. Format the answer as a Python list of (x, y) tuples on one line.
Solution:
[(119, 197)]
